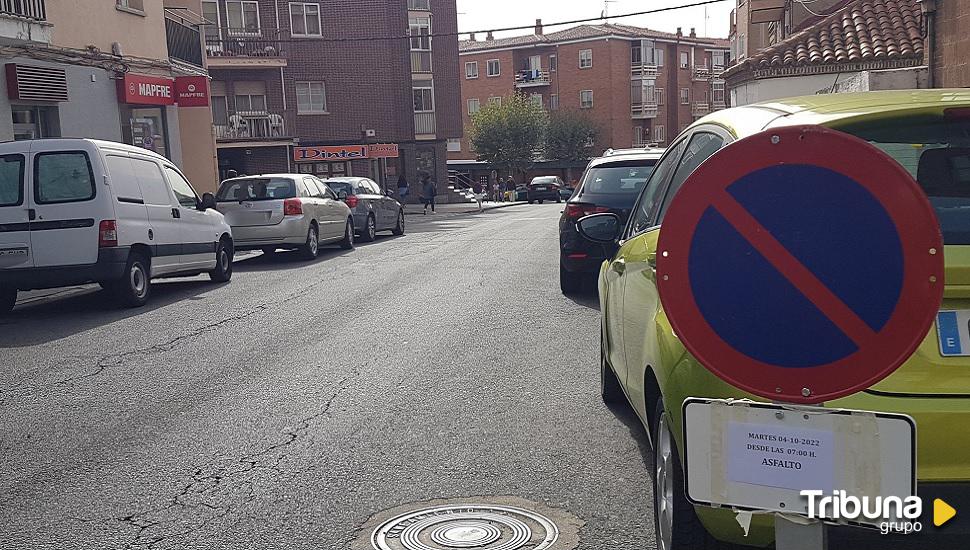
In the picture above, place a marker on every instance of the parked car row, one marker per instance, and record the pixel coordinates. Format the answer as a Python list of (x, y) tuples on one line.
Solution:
[(78, 211)]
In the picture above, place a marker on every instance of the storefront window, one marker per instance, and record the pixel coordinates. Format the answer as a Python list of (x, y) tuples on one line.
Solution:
[(33, 122), (323, 170), (425, 162), (145, 127)]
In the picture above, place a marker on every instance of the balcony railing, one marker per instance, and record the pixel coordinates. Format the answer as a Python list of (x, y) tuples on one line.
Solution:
[(530, 78), (718, 105), (252, 125), (700, 109), (28, 9), (707, 73), (424, 124), (644, 70), (644, 110), (247, 43), (184, 42)]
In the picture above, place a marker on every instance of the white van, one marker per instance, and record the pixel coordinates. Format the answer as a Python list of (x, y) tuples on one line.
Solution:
[(75, 211)]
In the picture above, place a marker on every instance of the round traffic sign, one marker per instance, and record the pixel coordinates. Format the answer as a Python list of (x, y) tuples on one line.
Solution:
[(800, 264)]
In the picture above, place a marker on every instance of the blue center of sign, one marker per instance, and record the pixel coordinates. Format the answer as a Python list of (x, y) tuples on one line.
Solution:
[(834, 227)]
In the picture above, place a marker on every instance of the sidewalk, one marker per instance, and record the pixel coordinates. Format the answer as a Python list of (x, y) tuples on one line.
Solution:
[(460, 208)]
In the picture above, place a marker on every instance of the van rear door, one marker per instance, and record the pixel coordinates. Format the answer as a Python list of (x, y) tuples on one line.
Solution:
[(15, 251), (69, 204)]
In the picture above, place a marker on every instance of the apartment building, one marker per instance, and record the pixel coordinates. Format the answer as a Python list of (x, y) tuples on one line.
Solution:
[(334, 88), (640, 86), (117, 70)]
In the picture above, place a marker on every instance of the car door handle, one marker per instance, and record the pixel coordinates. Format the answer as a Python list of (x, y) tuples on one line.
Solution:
[(176, 213), (31, 214), (619, 266)]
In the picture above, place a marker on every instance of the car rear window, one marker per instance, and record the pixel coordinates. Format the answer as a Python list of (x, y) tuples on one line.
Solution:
[(256, 189), (618, 178), (543, 181), (348, 187), (11, 180), (936, 151), (64, 176)]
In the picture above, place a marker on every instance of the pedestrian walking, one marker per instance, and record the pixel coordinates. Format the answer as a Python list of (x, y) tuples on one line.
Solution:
[(510, 188), (428, 192), (402, 187)]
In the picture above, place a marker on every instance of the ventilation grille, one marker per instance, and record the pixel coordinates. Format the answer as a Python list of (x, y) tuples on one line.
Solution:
[(31, 83)]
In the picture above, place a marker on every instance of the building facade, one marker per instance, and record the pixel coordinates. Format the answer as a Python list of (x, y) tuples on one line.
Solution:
[(333, 88), (640, 87), (108, 70), (949, 54)]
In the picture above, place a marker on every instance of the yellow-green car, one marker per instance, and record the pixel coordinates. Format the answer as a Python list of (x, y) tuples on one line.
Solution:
[(928, 133)]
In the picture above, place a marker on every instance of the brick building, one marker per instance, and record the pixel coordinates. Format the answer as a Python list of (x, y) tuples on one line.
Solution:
[(948, 22), (640, 86), (307, 86)]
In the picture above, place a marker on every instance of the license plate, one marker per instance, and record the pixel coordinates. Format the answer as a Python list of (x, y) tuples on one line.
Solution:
[(953, 329), (540, 188)]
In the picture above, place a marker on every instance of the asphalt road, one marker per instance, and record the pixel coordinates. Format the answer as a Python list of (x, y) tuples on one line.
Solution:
[(287, 408)]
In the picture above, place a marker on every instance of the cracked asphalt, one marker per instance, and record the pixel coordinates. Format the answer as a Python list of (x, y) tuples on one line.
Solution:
[(285, 409)]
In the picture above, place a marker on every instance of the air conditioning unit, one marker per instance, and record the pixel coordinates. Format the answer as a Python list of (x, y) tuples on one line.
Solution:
[(370, 133)]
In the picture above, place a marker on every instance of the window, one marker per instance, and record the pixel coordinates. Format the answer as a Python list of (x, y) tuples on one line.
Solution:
[(124, 182), (658, 96), (153, 187), (553, 63), (471, 69), (474, 105), (136, 5), (423, 100), (585, 59), (255, 189), (421, 5), (718, 59), (495, 101), (684, 60), (685, 96), (659, 135), (242, 16), (180, 186), (420, 30), (11, 180), (586, 99), (311, 98), (554, 102), (63, 177), (702, 145), (305, 19), (251, 103), (637, 136), (454, 145), (220, 110), (616, 178), (536, 100), (311, 188), (645, 212), (494, 67)]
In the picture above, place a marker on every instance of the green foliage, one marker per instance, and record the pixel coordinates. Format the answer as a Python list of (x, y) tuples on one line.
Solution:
[(509, 135), (570, 135)]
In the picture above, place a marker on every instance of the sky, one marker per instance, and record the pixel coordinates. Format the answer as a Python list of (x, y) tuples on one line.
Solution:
[(480, 15)]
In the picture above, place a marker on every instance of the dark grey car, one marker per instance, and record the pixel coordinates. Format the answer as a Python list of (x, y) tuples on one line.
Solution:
[(372, 209)]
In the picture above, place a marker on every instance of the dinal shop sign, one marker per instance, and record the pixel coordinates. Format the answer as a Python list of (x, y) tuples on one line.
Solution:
[(346, 152), (191, 91)]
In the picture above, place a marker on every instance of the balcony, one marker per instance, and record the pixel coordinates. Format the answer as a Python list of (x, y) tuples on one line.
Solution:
[(183, 42), (424, 124), (718, 105), (238, 48), (700, 109), (644, 110), (706, 73), (252, 125), (24, 21), (532, 79), (644, 70)]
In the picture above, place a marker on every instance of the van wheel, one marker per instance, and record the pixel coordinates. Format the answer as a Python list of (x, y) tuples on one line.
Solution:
[(399, 228), (135, 286), (370, 231), (348, 242), (311, 249), (223, 271), (8, 298)]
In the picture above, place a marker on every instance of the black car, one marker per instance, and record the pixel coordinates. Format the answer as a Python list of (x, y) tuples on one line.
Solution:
[(545, 188), (611, 184)]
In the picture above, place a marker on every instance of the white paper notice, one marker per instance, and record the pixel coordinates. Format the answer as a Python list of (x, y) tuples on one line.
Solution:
[(779, 456)]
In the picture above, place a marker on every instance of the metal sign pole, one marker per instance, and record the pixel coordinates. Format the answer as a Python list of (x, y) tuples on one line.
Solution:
[(790, 535)]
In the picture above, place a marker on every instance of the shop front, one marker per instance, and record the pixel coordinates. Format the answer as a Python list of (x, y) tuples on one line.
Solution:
[(144, 102), (378, 162)]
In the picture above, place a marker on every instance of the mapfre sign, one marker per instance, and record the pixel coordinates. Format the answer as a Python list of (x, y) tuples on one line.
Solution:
[(146, 90), (337, 153)]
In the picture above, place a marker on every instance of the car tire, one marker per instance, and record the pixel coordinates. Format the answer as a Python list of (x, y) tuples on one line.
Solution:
[(610, 389), (540, 201), (559, 199), (135, 286), (223, 271), (8, 299), (348, 242), (399, 228), (676, 525), (311, 249), (370, 230), (530, 202), (568, 282)]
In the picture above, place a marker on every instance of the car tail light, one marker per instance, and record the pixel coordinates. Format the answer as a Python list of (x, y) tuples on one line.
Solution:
[(108, 234), (352, 201), (292, 207), (578, 210)]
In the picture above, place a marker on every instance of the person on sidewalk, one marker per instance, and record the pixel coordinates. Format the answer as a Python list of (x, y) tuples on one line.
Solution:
[(402, 188), (428, 192), (510, 189)]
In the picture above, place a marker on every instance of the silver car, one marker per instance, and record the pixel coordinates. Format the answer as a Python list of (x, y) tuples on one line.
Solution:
[(373, 209), (289, 211)]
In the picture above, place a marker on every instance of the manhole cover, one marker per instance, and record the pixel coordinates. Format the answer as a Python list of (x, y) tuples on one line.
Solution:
[(486, 527)]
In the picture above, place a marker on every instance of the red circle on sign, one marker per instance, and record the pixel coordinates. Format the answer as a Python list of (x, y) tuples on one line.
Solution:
[(878, 353)]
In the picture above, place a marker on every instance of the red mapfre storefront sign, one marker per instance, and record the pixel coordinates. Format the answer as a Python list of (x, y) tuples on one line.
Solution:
[(146, 90), (192, 91)]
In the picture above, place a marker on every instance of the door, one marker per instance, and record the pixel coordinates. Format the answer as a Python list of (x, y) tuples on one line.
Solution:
[(68, 204), (381, 206), (197, 228), (335, 211), (15, 251), (314, 205), (163, 216), (535, 63), (133, 224)]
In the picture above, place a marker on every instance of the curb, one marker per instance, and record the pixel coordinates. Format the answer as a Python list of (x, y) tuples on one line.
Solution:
[(471, 210)]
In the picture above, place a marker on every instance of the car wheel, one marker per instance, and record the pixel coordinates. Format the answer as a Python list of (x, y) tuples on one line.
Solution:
[(8, 298), (568, 283), (311, 249), (530, 202), (610, 389), (399, 228), (348, 242), (676, 524), (223, 271), (370, 230), (540, 201), (559, 199), (135, 286)]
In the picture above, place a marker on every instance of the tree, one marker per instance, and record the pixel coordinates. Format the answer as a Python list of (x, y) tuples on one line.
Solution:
[(570, 136), (509, 135)]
